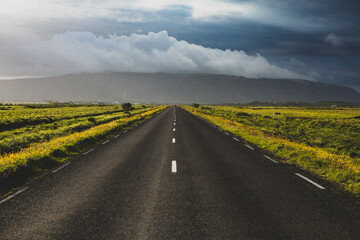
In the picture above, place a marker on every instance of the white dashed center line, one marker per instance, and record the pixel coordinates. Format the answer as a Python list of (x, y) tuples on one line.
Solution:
[(89, 151), (310, 181), (270, 159), (174, 129), (60, 167), (173, 167), (174, 124), (226, 133), (125, 131), (117, 136), (236, 139), (105, 142), (13, 195), (249, 147), (173, 140)]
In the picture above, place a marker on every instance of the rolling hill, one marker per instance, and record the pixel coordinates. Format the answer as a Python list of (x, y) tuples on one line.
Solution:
[(170, 88)]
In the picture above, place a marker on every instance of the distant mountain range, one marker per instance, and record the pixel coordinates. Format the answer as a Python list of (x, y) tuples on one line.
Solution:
[(170, 88)]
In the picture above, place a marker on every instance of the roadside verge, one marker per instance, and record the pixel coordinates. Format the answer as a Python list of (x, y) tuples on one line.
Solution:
[(339, 169)]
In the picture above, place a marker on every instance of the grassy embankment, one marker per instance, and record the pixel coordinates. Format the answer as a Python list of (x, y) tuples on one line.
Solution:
[(68, 131), (29, 126), (325, 141)]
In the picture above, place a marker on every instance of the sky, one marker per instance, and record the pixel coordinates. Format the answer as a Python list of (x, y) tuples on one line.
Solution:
[(318, 40)]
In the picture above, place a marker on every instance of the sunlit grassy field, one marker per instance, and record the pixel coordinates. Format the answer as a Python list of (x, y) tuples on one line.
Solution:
[(40, 136), (303, 112), (323, 140)]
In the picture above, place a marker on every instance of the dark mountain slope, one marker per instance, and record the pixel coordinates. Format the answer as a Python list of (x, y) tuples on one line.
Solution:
[(171, 88)]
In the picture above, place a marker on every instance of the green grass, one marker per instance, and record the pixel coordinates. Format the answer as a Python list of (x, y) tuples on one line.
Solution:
[(335, 130), (16, 139), (17, 116)]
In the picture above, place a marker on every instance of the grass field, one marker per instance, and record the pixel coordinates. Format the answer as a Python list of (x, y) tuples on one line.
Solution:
[(325, 141), (39, 136)]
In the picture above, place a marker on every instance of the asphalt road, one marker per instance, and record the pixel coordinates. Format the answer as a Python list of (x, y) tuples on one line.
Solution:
[(177, 178)]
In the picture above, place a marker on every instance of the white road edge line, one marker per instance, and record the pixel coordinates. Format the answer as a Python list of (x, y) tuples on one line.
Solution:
[(125, 131), (13, 195), (236, 139), (105, 142), (173, 140), (249, 146), (89, 151), (173, 167), (270, 159), (226, 133), (61, 167), (117, 136), (310, 181)]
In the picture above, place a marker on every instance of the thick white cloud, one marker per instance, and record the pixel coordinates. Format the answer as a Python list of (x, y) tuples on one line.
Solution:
[(154, 52)]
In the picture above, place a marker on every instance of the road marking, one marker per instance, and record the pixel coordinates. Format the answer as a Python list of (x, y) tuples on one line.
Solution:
[(105, 142), (173, 167), (236, 139), (117, 136), (226, 133), (174, 129), (174, 124), (310, 181), (60, 167), (249, 147), (270, 159), (89, 151), (173, 140), (13, 195), (125, 131)]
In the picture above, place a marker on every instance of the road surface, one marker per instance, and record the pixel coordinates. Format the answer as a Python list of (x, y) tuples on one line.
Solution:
[(177, 177)]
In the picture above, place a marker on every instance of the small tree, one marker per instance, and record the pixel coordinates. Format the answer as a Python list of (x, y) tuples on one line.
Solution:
[(127, 107), (195, 105)]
